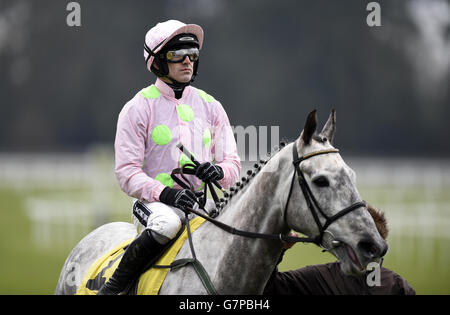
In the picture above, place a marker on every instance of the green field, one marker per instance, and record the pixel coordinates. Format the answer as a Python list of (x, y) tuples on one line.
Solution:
[(33, 251), (26, 267)]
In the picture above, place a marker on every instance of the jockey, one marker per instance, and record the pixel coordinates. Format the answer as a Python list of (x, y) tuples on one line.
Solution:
[(149, 127)]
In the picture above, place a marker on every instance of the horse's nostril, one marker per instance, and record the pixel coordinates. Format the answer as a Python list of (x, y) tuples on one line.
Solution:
[(369, 249)]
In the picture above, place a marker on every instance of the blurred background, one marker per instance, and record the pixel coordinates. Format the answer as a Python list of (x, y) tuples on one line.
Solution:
[(269, 63)]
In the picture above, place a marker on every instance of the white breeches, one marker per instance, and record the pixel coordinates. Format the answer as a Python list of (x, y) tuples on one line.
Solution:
[(159, 217)]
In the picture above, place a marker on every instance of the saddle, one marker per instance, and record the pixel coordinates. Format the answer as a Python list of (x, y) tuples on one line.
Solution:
[(150, 281)]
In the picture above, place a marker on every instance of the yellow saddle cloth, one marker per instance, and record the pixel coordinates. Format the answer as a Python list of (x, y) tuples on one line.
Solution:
[(149, 282)]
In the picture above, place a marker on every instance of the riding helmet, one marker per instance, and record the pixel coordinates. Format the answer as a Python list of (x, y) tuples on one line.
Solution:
[(166, 35)]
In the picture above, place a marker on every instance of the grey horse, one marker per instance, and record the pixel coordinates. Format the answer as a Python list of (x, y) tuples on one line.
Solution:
[(273, 203)]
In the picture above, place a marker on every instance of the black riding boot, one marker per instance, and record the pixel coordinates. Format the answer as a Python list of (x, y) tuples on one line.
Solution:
[(140, 251)]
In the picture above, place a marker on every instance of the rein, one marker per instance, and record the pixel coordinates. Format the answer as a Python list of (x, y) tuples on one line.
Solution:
[(187, 169), (210, 217), (309, 196)]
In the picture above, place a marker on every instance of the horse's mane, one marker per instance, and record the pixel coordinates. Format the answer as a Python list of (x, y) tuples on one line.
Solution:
[(251, 173)]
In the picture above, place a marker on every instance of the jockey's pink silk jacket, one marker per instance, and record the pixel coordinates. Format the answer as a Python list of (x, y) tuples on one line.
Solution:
[(151, 125)]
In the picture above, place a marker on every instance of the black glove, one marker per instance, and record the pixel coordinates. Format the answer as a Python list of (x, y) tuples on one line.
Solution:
[(208, 172), (179, 198)]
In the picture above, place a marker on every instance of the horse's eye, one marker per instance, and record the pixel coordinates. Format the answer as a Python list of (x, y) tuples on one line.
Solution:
[(321, 181)]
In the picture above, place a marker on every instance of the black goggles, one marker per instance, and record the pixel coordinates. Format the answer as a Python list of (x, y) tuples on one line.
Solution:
[(178, 55)]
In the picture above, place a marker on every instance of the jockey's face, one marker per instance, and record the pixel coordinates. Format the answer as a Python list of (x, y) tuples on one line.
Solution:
[(182, 71)]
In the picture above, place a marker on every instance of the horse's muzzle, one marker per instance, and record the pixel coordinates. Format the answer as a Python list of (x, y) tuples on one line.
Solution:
[(371, 250)]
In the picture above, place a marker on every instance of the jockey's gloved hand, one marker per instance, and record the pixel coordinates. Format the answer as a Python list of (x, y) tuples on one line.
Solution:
[(179, 198), (208, 172)]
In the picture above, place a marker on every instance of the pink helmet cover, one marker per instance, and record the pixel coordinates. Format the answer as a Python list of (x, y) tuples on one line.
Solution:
[(160, 34)]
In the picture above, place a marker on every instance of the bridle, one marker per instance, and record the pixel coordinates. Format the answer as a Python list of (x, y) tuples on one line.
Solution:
[(309, 197), (311, 201)]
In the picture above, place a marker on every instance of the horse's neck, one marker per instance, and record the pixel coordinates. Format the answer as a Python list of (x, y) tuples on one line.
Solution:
[(258, 208)]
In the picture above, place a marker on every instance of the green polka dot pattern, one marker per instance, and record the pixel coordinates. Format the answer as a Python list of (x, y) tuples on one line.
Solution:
[(185, 112), (184, 160), (207, 138), (161, 135), (205, 96), (165, 179), (151, 92)]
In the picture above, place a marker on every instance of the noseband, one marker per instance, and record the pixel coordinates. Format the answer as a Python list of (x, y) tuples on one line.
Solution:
[(313, 205)]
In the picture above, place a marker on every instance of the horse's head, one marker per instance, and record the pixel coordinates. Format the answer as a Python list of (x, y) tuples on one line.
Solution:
[(326, 204)]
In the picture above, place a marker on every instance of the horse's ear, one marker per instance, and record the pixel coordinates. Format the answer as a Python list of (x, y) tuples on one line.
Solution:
[(310, 127), (330, 127)]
